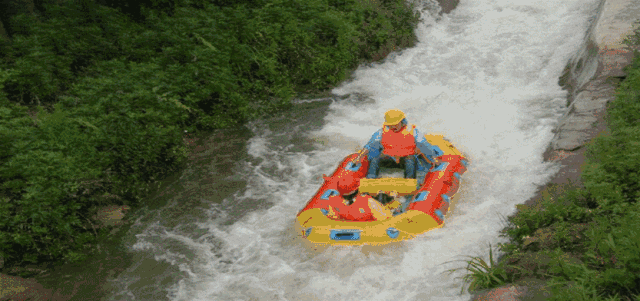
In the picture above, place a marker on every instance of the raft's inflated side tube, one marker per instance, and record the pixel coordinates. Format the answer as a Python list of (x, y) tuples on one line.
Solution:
[(440, 186), (426, 210)]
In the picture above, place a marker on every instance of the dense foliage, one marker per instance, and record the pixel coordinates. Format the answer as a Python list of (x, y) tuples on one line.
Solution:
[(585, 241), (96, 94)]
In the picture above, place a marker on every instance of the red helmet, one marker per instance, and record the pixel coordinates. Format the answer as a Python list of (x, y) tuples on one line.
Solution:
[(348, 184)]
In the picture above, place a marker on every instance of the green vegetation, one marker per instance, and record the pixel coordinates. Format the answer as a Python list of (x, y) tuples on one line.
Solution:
[(482, 274), (95, 95), (585, 241)]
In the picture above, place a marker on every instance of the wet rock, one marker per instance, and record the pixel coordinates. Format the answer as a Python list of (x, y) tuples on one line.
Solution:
[(111, 215), (616, 23), (578, 123), (578, 127), (527, 289), (448, 5), (19, 289), (533, 289), (588, 102), (614, 60), (569, 141), (559, 155), (605, 38), (590, 107), (503, 293)]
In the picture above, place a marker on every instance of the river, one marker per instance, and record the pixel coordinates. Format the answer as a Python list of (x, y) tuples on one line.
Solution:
[(484, 75)]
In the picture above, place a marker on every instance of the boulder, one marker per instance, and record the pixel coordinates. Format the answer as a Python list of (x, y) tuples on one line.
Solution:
[(503, 293), (569, 141), (528, 289), (111, 215)]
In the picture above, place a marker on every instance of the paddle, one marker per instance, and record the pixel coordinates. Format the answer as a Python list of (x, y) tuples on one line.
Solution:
[(361, 153)]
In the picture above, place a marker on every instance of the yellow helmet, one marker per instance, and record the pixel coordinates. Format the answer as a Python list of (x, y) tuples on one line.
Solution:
[(393, 117)]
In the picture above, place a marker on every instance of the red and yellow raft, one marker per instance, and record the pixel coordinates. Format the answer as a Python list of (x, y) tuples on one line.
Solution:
[(425, 211)]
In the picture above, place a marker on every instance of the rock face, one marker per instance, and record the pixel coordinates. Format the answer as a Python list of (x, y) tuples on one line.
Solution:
[(577, 128), (591, 88)]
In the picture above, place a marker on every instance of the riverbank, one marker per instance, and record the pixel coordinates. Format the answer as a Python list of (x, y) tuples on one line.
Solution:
[(592, 78), (100, 121)]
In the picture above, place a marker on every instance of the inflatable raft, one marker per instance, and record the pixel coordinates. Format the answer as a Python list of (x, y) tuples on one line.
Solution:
[(424, 211)]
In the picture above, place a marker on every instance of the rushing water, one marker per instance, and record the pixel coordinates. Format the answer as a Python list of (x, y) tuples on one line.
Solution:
[(485, 76)]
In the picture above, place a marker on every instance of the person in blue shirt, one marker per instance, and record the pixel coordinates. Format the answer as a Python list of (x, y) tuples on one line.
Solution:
[(400, 141)]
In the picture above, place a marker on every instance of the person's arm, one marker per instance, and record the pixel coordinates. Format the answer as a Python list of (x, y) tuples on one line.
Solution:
[(431, 152), (372, 148), (425, 147)]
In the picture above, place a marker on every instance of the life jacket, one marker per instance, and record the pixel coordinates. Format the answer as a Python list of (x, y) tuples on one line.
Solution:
[(337, 208), (365, 208), (398, 144)]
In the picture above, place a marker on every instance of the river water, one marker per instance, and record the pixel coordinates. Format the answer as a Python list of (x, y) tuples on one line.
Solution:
[(485, 76)]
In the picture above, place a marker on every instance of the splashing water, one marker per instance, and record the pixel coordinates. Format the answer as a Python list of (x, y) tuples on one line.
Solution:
[(485, 76)]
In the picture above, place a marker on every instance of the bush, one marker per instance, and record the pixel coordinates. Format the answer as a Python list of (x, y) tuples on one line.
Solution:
[(40, 220), (49, 55), (614, 248), (570, 207), (239, 60), (95, 103), (134, 127)]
